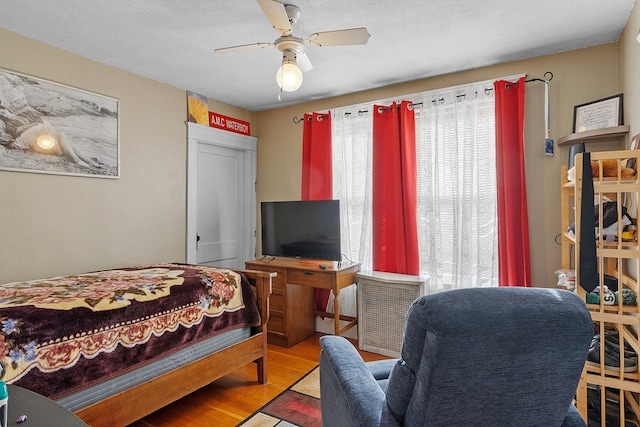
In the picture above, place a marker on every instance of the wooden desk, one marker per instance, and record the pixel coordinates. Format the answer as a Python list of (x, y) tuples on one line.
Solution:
[(292, 313)]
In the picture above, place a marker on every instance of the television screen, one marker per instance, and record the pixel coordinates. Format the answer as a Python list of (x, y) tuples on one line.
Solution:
[(302, 229)]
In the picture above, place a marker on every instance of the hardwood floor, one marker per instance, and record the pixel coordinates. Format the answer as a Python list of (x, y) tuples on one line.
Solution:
[(231, 399)]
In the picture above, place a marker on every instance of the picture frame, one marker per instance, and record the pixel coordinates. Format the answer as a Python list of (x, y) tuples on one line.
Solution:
[(52, 128), (598, 114)]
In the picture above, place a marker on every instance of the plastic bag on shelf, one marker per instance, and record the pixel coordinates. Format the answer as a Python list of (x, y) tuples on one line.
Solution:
[(566, 279)]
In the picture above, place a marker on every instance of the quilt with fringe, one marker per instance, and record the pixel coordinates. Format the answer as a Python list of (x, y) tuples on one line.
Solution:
[(62, 334)]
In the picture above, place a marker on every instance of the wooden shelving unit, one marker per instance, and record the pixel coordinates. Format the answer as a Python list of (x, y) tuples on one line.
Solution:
[(616, 390)]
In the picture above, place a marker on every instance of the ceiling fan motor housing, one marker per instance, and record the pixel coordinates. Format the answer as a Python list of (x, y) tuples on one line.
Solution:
[(290, 44), (293, 12)]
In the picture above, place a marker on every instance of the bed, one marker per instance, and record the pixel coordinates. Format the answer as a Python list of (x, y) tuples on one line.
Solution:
[(115, 345)]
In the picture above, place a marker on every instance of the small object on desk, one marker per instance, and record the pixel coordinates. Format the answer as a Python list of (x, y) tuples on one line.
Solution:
[(21, 419), (323, 266)]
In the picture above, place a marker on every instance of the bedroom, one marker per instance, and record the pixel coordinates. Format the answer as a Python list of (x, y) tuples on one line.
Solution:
[(140, 218)]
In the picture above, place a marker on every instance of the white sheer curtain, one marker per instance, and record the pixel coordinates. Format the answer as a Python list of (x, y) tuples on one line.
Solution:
[(457, 214), (352, 160), (352, 163)]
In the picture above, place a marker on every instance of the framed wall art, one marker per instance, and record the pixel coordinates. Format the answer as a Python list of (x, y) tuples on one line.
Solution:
[(47, 127), (599, 114)]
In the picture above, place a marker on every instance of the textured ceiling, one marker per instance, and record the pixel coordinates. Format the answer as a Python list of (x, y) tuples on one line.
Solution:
[(173, 41)]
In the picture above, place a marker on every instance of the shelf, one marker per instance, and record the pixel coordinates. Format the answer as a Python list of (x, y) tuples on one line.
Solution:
[(617, 258), (596, 135)]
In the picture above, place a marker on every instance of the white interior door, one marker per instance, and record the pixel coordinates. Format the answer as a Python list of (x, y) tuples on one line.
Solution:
[(220, 210), (221, 197)]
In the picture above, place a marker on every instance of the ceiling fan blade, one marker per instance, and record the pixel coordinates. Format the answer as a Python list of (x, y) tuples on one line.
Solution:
[(302, 60), (242, 47), (277, 15), (350, 36)]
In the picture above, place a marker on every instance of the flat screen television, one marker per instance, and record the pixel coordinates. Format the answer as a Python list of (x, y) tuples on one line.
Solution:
[(302, 229)]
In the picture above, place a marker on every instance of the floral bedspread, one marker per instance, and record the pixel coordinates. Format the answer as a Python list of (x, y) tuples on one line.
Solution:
[(62, 334)]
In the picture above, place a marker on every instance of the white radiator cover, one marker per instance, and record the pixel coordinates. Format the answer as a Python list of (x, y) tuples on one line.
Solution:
[(383, 301)]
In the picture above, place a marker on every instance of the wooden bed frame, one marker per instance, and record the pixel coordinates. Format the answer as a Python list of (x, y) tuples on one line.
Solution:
[(141, 400)]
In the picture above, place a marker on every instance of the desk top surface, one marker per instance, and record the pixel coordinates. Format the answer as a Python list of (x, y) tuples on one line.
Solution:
[(306, 264)]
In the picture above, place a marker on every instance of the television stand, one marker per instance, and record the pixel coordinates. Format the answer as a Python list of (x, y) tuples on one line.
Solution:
[(292, 305)]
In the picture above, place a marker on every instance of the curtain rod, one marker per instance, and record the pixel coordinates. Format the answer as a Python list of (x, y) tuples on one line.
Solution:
[(535, 79), (296, 120)]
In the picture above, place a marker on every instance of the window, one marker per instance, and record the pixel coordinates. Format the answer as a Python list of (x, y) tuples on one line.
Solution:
[(457, 217)]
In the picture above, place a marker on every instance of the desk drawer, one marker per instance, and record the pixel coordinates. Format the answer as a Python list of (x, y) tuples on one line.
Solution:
[(276, 303), (276, 323), (317, 279)]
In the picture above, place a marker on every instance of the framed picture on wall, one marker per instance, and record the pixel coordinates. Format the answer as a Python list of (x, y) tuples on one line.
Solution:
[(47, 127), (599, 114)]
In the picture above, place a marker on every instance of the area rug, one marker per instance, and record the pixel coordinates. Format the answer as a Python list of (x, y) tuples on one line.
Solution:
[(298, 406)]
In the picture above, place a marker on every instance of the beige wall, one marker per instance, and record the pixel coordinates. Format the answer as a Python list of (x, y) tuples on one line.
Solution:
[(629, 71), (52, 224)]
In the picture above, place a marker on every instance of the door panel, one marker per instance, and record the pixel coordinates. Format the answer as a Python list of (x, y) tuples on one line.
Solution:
[(221, 197), (220, 175)]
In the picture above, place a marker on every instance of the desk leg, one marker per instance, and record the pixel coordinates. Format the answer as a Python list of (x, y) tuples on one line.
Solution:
[(336, 312), (337, 317)]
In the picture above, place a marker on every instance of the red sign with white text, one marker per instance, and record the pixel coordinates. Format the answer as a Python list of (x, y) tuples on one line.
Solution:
[(228, 123)]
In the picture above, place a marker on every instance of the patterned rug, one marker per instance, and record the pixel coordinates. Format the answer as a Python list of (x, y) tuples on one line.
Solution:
[(299, 406)]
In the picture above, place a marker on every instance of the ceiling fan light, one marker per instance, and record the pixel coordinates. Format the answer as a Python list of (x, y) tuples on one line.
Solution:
[(289, 77)]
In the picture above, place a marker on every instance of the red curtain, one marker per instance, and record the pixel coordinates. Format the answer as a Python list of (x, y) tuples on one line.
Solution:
[(395, 235), (317, 172), (513, 223)]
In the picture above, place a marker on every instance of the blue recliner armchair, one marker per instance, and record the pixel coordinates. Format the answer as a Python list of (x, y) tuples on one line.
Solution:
[(493, 357)]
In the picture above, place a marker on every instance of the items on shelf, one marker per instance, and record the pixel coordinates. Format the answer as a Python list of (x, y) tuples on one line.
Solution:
[(609, 169), (611, 298), (612, 354), (609, 221), (612, 408), (608, 392), (566, 279)]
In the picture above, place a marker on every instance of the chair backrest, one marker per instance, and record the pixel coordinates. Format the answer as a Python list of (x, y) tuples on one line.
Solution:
[(490, 357)]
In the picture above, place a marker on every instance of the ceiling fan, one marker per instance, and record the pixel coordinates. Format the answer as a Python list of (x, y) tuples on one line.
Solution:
[(294, 60)]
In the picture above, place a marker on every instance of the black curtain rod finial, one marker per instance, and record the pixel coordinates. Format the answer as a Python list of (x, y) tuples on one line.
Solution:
[(535, 79), (545, 80)]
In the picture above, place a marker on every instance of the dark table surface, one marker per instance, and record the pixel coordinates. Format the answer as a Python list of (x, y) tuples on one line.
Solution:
[(40, 411)]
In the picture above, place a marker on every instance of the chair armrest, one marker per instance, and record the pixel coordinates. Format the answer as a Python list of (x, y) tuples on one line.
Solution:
[(573, 418), (350, 395)]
